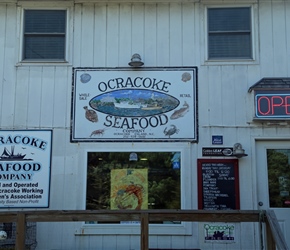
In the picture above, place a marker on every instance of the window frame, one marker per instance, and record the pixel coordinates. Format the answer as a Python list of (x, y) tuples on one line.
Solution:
[(253, 37), (67, 44), (184, 228)]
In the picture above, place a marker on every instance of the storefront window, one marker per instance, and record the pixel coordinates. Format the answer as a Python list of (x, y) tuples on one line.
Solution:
[(141, 180), (279, 177)]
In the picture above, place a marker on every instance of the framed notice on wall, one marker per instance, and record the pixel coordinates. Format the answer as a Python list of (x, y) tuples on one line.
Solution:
[(218, 184), (125, 104)]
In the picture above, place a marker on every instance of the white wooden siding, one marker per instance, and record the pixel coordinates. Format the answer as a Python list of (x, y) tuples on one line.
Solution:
[(164, 34)]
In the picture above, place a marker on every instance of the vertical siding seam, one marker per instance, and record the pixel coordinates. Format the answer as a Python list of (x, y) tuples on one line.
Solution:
[(3, 67), (53, 105), (41, 99), (272, 30), (94, 33), (131, 31), (169, 35), (119, 31), (144, 10), (286, 42), (182, 30), (28, 91), (156, 34), (157, 27), (106, 37), (81, 40)]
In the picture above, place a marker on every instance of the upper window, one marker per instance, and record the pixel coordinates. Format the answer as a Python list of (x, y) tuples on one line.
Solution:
[(229, 33), (44, 35)]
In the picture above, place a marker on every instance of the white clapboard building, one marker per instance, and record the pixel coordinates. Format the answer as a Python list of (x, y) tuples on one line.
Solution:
[(142, 104)]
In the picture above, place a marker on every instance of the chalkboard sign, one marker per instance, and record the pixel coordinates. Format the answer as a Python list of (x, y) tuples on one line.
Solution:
[(218, 184)]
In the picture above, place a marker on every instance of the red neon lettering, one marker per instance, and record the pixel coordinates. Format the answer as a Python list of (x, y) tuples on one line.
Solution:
[(259, 105), (277, 104), (287, 104)]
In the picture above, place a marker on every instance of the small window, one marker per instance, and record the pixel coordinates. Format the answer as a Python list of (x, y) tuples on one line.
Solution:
[(278, 161), (229, 33), (142, 180), (44, 34)]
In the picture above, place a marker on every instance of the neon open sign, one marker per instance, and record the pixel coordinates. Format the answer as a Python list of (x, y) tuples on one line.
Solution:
[(274, 105)]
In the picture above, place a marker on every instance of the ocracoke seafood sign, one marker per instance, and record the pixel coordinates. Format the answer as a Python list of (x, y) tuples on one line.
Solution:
[(25, 161), (148, 104)]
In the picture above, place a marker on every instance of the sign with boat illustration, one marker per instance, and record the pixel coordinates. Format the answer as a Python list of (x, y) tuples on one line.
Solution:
[(125, 104), (25, 159)]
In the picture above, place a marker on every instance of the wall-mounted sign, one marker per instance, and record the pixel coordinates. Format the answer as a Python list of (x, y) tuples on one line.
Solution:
[(25, 158), (213, 151), (148, 104), (217, 140), (218, 184), (219, 233), (272, 104)]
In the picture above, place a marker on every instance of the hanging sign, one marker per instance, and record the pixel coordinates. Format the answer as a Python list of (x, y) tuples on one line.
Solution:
[(25, 158), (125, 104), (272, 104)]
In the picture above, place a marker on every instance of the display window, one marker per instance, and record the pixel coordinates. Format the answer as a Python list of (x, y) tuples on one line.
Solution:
[(138, 180), (124, 180)]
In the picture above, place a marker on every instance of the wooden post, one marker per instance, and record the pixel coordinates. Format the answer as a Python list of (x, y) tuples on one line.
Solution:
[(144, 231), (20, 232), (269, 237)]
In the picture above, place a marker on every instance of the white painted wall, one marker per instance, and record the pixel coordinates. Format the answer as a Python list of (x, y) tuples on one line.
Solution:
[(36, 96)]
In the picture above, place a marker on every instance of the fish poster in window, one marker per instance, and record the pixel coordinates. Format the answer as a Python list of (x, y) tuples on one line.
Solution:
[(216, 232), (129, 189)]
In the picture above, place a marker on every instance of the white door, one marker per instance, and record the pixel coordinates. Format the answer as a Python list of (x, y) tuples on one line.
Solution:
[(273, 176)]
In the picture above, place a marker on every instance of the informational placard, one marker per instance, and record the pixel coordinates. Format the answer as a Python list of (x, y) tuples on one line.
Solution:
[(218, 184), (25, 161), (217, 139), (126, 104), (214, 151)]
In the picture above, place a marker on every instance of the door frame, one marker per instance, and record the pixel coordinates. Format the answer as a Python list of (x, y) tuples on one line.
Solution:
[(254, 141), (263, 195)]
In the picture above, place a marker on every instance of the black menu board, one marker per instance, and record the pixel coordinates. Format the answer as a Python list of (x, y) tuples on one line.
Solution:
[(218, 184)]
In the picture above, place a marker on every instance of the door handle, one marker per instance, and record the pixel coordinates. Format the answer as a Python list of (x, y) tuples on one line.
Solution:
[(260, 203)]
